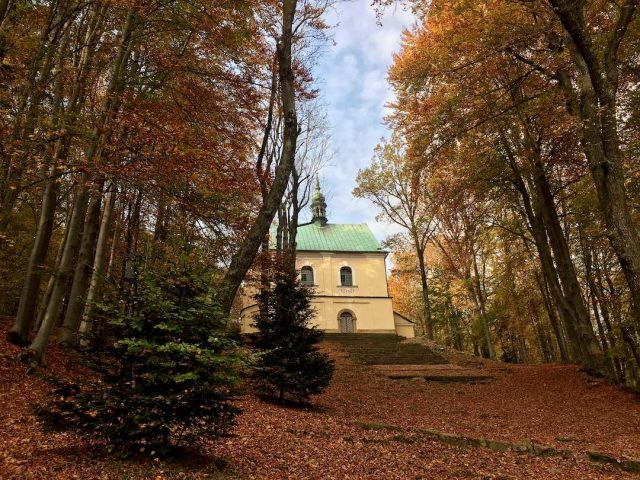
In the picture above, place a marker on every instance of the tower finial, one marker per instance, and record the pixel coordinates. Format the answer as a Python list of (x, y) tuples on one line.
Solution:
[(318, 205)]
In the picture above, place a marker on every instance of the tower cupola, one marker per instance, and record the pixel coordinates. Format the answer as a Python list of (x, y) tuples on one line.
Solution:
[(318, 206)]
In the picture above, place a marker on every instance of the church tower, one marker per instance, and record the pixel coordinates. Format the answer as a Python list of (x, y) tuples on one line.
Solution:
[(318, 206)]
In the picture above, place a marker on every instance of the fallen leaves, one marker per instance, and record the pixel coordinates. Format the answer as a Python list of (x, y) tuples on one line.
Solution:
[(553, 405)]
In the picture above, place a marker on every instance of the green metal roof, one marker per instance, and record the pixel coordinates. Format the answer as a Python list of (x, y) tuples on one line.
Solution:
[(334, 237)]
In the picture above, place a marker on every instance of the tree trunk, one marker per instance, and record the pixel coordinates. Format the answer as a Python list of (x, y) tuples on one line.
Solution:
[(243, 258), (458, 343), (19, 333), (565, 309), (535, 222), (292, 224), (130, 254), (627, 335), (53, 40), (559, 274), (98, 262), (482, 303), (598, 291), (61, 277), (114, 244), (595, 103), (83, 271), (553, 319), (160, 229), (599, 308), (5, 6), (544, 340), (428, 324), (109, 108), (523, 352), (44, 300), (592, 358)]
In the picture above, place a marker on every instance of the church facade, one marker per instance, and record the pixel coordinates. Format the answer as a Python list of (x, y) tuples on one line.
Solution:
[(345, 266)]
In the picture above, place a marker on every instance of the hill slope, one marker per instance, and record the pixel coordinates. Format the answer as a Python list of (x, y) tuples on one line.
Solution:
[(366, 426)]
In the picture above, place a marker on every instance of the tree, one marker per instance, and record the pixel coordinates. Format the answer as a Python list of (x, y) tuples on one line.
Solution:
[(298, 26), (164, 371), (152, 118), (592, 91), (402, 194), (545, 87), (246, 253), (311, 156), (289, 361)]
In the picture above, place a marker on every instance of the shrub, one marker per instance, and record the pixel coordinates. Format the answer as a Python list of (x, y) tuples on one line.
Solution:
[(164, 369), (289, 361)]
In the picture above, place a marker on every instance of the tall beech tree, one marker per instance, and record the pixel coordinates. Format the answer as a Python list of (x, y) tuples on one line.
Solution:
[(517, 102), (74, 236), (592, 94), (402, 194), (140, 128), (61, 120), (312, 154), (293, 22)]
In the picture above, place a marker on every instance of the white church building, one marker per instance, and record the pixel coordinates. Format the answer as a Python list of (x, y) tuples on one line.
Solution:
[(345, 265)]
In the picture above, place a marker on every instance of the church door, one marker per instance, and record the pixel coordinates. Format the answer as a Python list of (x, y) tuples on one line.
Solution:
[(346, 323)]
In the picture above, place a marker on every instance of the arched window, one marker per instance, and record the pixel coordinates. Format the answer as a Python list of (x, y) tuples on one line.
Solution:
[(346, 277), (306, 276)]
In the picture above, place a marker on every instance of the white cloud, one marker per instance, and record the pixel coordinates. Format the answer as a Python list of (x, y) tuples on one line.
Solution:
[(352, 77)]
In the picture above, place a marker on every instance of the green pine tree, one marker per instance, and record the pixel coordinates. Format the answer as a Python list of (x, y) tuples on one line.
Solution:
[(165, 371), (289, 362)]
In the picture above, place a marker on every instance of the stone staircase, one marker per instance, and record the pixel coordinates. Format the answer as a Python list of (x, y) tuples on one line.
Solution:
[(390, 356), (384, 349)]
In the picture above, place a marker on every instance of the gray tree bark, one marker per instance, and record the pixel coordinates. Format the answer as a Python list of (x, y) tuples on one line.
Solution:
[(552, 314), (83, 270), (28, 299), (428, 323), (246, 253), (109, 107), (39, 77), (594, 101), (591, 354), (98, 262), (60, 279), (482, 303), (558, 269)]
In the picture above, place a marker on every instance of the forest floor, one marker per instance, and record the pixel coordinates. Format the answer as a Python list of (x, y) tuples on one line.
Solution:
[(366, 426)]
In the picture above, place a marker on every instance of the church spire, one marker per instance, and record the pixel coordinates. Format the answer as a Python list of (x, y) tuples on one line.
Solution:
[(319, 205)]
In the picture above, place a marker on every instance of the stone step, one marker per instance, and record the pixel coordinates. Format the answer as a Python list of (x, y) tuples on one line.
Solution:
[(394, 361), (363, 337), (384, 349), (387, 349), (445, 373)]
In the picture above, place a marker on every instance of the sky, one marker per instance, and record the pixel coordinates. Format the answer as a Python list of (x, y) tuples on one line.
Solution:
[(352, 77)]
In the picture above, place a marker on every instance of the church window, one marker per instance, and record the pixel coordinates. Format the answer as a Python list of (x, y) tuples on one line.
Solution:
[(346, 277), (306, 276)]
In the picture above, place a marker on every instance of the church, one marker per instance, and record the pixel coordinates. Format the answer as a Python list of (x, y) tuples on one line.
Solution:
[(345, 266)]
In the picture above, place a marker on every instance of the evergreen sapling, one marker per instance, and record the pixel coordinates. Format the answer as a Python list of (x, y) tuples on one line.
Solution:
[(289, 361), (164, 372)]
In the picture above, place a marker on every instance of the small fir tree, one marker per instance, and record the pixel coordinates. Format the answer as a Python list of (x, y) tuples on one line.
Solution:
[(289, 361), (165, 371)]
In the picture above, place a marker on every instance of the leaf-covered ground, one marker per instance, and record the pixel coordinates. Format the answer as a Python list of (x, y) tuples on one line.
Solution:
[(364, 427)]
